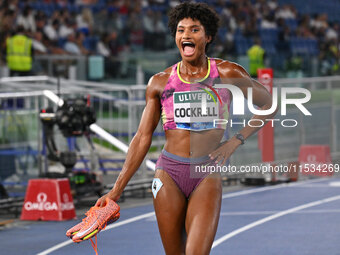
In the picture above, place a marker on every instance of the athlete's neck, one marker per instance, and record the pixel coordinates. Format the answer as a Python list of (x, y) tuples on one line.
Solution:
[(194, 67)]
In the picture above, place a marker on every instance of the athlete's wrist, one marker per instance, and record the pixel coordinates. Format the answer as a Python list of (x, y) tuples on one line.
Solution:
[(240, 137), (115, 193), (236, 141)]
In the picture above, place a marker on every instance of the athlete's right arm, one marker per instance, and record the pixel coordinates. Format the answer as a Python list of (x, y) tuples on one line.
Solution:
[(141, 142)]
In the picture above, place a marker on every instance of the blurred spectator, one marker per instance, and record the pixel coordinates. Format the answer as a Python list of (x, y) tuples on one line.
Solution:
[(101, 18), (51, 30), (136, 31), (319, 22), (67, 28), (52, 46), (7, 21), (38, 46), (102, 45), (124, 6), (85, 21), (63, 15), (113, 22), (74, 44), (173, 3), (155, 30), (273, 5), (71, 45), (26, 19), (331, 32), (108, 47), (40, 21), (268, 22), (113, 44), (286, 12), (256, 57), (19, 53)]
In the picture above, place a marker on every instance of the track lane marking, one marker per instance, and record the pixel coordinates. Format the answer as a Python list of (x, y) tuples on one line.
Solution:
[(245, 213), (272, 217)]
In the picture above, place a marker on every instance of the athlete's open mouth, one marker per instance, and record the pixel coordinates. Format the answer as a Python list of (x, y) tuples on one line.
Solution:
[(188, 48)]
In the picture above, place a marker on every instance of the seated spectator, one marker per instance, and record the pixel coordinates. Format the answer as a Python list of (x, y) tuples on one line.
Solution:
[(40, 20), (286, 12), (85, 21), (52, 46), (71, 45), (268, 22), (51, 30), (26, 19), (102, 45), (38, 46), (63, 15), (67, 28), (320, 21), (74, 44), (331, 32)]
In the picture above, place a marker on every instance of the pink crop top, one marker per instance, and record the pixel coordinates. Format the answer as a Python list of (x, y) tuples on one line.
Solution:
[(194, 106)]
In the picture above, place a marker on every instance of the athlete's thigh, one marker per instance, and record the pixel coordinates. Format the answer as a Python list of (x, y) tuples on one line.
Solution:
[(170, 207), (203, 214)]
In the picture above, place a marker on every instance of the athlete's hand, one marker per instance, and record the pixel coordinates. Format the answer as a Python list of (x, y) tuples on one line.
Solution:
[(111, 195), (224, 151)]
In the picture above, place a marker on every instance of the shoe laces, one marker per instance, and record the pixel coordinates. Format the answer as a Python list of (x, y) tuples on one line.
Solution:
[(89, 214), (102, 224)]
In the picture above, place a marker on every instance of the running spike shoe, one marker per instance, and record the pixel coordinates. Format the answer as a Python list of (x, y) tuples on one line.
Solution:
[(96, 220), (74, 230)]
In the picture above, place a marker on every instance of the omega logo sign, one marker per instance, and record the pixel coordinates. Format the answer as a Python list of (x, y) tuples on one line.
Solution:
[(41, 204)]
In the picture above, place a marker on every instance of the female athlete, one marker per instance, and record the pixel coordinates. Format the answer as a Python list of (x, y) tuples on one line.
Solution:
[(187, 206)]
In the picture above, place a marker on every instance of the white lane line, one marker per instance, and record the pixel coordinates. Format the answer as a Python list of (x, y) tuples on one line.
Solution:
[(272, 217), (283, 185), (320, 185), (124, 222), (234, 194), (334, 184), (245, 213)]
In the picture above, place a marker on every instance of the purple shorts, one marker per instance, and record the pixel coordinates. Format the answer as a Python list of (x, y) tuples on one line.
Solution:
[(184, 171)]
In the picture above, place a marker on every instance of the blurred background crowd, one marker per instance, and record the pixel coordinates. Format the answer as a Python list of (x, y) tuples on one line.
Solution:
[(295, 36)]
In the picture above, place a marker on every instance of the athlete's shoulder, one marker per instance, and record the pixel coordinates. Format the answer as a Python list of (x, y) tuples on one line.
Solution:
[(229, 69), (158, 81)]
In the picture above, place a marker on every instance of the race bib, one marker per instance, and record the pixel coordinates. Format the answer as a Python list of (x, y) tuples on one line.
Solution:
[(195, 110)]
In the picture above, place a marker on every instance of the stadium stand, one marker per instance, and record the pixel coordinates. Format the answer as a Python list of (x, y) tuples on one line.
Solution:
[(288, 28)]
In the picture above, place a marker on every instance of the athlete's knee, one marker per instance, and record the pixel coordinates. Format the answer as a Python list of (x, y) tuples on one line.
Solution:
[(178, 252), (192, 248)]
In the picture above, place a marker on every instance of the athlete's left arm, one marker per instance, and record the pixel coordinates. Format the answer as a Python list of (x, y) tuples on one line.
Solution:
[(236, 75)]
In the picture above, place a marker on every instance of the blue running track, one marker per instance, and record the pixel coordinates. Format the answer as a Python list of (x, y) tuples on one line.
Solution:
[(295, 219)]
